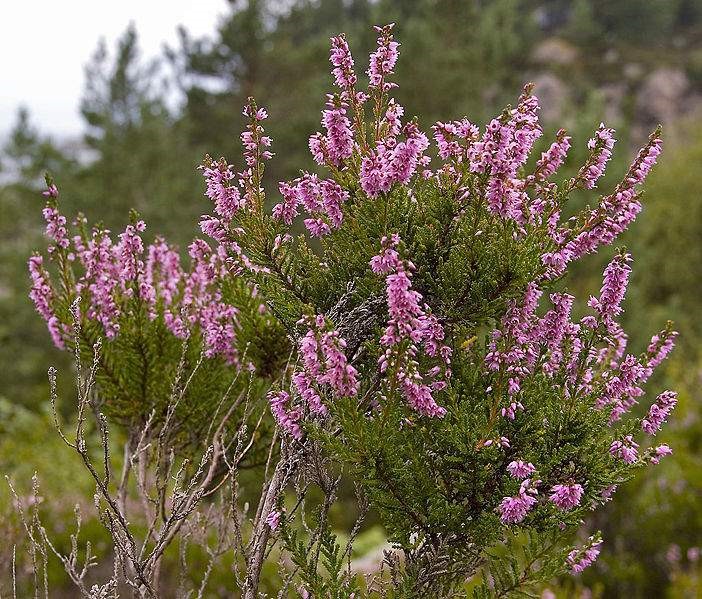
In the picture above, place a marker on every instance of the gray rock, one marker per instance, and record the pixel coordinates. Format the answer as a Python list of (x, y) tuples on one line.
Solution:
[(662, 97), (554, 51), (553, 95)]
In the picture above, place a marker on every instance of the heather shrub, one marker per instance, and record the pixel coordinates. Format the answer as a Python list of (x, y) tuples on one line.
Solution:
[(416, 338)]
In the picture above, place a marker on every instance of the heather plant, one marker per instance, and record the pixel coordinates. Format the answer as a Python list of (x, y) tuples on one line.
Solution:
[(415, 337)]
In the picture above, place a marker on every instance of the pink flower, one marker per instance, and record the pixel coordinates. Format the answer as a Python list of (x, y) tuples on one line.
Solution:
[(383, 59), (324, 364), (409, 328), (222, 189), (582, 558), (659, 412), (520, 469), (375, 173), (514, 509), (626, 450), (566, 496), (660, 452), (322, 200), (287, 418), (339, 139), (661, 345), (616, 279), (42, 295), (552, 159), (615, 213), (273, 520), (600, 148), (56, 227), (342, 61), (51, 191)]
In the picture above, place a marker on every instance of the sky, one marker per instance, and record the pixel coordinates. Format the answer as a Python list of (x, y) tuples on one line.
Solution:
[(45, 44)]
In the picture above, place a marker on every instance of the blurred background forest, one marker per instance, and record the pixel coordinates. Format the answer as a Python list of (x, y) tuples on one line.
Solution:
[(147, 124)]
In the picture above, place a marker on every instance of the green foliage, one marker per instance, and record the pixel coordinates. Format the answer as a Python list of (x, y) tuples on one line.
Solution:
[(520, 566), (321, 562)]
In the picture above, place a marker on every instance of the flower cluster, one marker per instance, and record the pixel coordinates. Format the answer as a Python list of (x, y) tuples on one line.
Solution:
[(659, 412), (567, 496), (514, 509), (520, 469), (552, 159), (410, 325), (116, 279), (603, 224), (614, 284), (383, 60), (544, 381), (454, 139), (42, 294), (342, 61), (526, 341), (321, 199), (273, 520), (502, 151), (626, 450), (582, 558), (287, 417), (527, 344), (600, 148), (392, 162), (232, 192), (324, 364), (222, 189), (660, 452)]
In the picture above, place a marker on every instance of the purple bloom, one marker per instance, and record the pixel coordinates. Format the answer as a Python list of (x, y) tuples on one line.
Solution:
[(42, 295), (552, 159), (454, 138), (324, 364), (582, 558), (567, 496), (56, 228), (659, 348), (660, 452), (600, 148), (410, 327), (514, 509), (222, 189), (51, 191), (383, 59), (342, 61), (616, 279), (339, 138), (287, 418), (626, 450), (273, 519), (374, 174), (612, 217), (659, 411), (321, 199), (520, 469)]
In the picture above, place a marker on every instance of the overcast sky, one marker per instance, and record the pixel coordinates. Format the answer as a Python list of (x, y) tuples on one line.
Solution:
[(44, 45)]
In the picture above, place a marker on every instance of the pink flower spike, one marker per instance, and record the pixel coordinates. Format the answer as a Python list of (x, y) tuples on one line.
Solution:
[(582, 558), (520, 469), (51, 191), (273, 520), (567, 496)]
